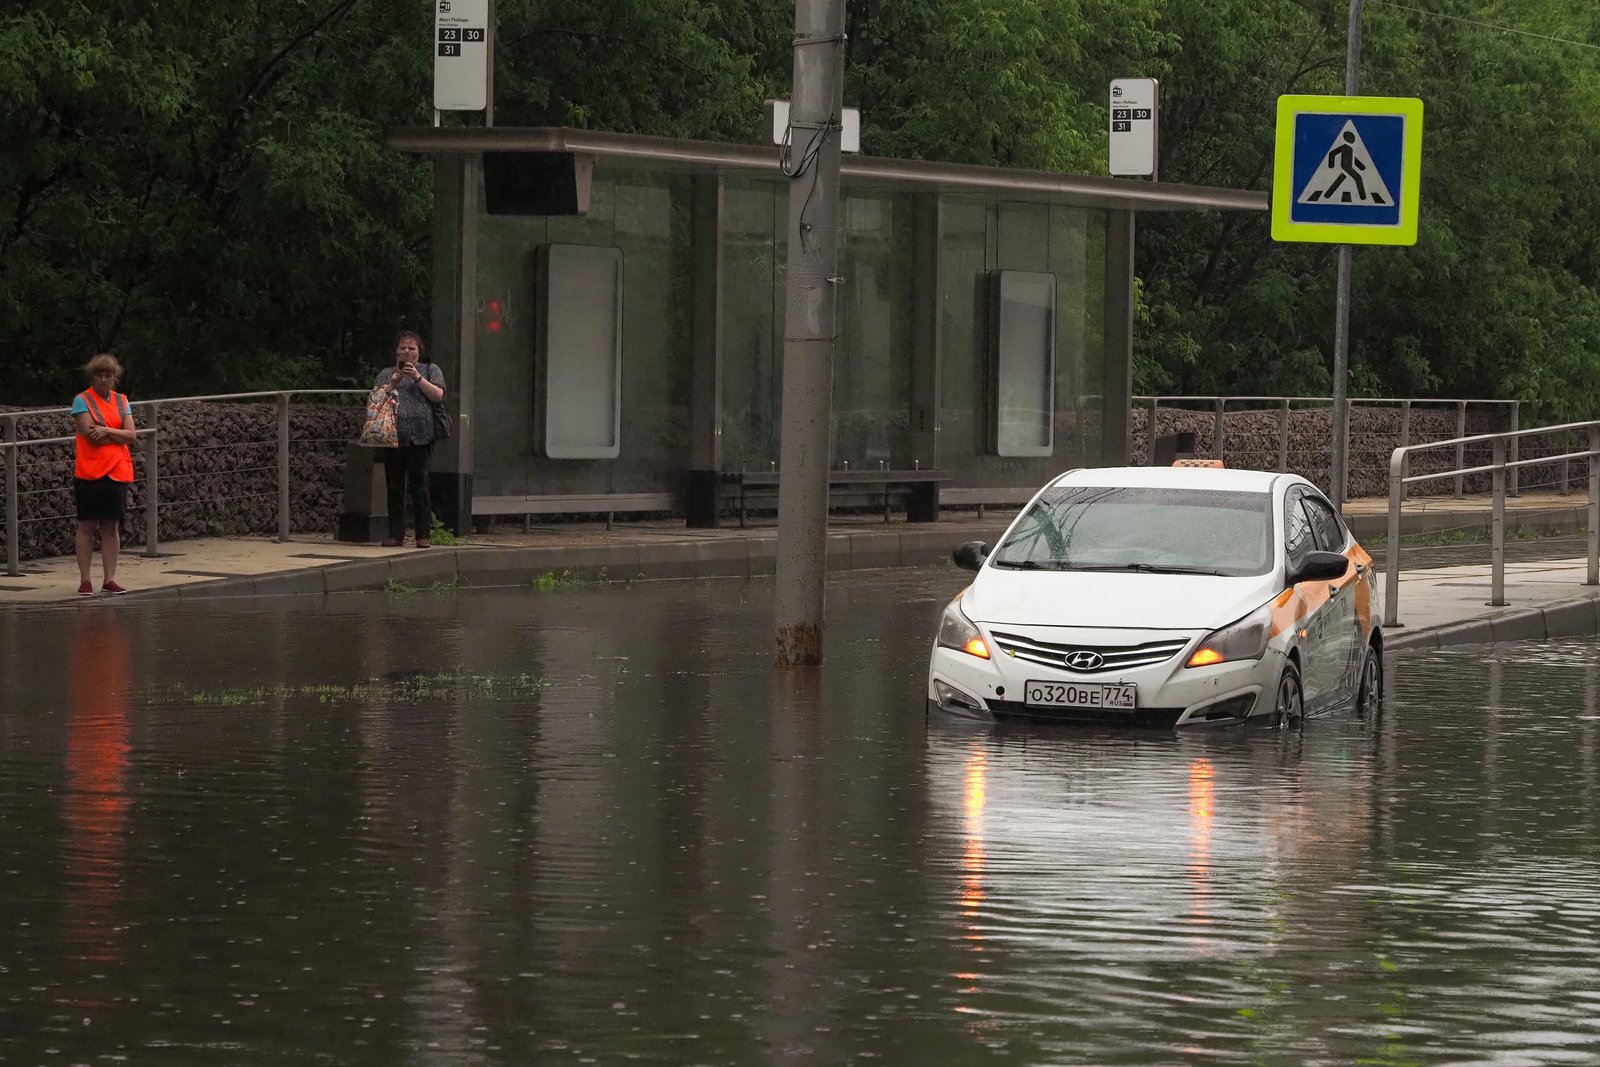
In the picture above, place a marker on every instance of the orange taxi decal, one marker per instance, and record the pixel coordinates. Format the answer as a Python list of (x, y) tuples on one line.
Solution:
[(1296, 604)]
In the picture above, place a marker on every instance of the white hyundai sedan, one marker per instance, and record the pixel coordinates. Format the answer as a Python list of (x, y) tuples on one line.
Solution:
[(1167, 596)]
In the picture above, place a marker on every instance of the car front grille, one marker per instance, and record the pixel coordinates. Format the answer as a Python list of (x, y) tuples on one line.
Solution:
[(1110, 657)]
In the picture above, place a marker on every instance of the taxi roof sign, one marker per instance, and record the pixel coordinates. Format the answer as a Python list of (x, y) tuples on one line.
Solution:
[(1347, 170), (1199, 463)]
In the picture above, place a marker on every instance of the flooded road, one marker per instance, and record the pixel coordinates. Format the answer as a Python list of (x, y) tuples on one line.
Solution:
[(592, 825)]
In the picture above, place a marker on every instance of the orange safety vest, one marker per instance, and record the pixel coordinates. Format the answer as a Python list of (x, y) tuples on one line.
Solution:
[(112, 460)]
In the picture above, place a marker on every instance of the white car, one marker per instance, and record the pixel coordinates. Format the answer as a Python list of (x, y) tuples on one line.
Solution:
[(1166, 596)]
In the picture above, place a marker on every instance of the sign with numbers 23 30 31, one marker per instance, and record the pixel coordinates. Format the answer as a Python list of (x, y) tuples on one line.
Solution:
[(461, 55)]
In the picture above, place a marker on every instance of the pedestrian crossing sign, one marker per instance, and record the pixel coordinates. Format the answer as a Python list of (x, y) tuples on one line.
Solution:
[(1347, 170)]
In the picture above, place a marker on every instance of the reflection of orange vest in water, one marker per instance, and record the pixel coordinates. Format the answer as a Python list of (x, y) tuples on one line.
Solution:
[(111, 460)]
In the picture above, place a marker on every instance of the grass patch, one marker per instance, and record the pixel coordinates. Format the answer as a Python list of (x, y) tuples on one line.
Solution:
[(550, 581), (440, 534), (399, 587), (1446, 538)]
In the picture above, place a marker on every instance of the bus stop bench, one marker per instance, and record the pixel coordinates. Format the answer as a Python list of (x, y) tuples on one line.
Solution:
[(607, 504), (921, 487)]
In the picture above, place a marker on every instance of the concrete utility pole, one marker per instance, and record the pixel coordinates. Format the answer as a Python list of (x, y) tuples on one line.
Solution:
[(810, 327), (1341, 322)]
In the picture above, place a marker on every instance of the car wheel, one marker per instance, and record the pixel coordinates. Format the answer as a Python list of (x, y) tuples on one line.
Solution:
[(1369, 695), (1290, 707)]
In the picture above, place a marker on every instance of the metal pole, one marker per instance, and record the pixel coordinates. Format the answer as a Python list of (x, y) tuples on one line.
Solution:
[(1593, 577), (488, 47), (1283, 436), (1391, 573), (152, 486), (1150, 436), (1349, 417), (1217, 432), (13, 504), (1461, 450), (1498, 551), (283, 468), (811, 163), (1516, 424), (1341, 324)]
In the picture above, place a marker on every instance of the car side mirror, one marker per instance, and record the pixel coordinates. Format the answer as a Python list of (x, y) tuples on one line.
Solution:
[(970, 556), (1320, 567)]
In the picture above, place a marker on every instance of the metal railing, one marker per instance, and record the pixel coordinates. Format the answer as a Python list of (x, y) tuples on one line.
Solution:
[(149, 428), (1504, 463), (1219, 406)]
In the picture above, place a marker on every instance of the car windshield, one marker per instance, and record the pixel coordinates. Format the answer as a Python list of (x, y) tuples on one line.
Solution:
[(1161, 531)]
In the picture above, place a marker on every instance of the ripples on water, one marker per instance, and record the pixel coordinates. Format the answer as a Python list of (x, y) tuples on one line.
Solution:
[(509, 827)]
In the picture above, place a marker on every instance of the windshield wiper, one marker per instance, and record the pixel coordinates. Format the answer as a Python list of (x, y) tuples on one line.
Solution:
[(1153, 568), (1140, 568), (1062, 565)]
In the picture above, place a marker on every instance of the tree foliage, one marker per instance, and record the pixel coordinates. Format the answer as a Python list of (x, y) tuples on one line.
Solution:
[(1499, 296), (204, 188)]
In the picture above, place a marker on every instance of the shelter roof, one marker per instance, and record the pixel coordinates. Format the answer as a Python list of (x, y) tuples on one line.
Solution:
[(710, 157)]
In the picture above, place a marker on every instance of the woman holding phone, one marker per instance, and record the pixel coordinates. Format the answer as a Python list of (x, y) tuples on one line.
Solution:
[(417, 386)]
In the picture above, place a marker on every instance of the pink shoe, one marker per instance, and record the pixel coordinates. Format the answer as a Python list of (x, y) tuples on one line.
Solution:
[(86, 589), (113, 588)]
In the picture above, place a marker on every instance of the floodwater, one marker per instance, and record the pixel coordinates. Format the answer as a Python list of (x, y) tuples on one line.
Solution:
[(592, 825)]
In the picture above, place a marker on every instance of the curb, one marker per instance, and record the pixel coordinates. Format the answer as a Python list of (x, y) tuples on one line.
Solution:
[(1579, 617), (485, 567)]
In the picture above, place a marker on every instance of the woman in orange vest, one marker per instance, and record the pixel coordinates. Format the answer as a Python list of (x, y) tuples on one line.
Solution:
[(103, 471)]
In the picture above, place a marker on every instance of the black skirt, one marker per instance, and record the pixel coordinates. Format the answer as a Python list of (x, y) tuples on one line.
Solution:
[(101, 499)]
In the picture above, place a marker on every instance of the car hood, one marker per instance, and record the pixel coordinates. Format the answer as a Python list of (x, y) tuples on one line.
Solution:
[(1099, 599)]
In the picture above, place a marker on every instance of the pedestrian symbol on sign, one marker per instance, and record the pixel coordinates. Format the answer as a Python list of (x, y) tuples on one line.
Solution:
[(1347, 174)]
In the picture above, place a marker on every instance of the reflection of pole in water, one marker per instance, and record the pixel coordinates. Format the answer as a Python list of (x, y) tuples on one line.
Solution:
[(1491, 742), (1202, 811), (95, 807), (1586, 750), (798, 1023)]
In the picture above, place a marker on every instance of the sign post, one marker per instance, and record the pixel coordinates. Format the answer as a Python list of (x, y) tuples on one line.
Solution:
[(1348, 170)]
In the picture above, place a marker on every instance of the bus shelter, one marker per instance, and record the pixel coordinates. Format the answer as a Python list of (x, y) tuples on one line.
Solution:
[(609, 310)]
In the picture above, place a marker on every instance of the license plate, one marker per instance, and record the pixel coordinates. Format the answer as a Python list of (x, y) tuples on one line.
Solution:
[(1112, 696)]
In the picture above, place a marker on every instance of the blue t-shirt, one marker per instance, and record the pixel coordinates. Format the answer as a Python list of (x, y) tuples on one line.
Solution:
[(80, 406)]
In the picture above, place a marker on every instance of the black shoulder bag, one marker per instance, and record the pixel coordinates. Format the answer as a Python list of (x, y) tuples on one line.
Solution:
[(441, 420)]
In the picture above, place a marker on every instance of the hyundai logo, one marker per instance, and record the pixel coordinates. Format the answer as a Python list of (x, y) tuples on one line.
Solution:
[(1084, 660)]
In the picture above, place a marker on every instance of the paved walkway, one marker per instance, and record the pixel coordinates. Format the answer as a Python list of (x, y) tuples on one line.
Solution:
[(1438, 605)]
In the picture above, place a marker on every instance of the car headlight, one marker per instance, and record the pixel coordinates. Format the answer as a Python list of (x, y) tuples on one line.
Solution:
[(1242, 640), (956, 631)]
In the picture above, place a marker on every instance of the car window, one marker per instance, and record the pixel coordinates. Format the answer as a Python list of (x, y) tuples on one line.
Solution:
[(1330, 533), (1118, 527), (1299, 537)]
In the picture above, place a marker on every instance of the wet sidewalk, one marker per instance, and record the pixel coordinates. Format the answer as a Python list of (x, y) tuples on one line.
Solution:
[(1438, 604)]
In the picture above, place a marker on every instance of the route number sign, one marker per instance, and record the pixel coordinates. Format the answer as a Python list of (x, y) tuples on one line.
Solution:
[(461, 55)]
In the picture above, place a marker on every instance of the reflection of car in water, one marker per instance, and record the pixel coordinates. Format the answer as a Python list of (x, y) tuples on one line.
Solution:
[(1163, 596), (1076, 860)]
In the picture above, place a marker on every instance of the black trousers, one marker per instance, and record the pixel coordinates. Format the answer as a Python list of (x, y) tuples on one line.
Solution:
[(406, 470)]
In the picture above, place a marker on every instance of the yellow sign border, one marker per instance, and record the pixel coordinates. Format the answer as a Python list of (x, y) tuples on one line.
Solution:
[(1409, 109)]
